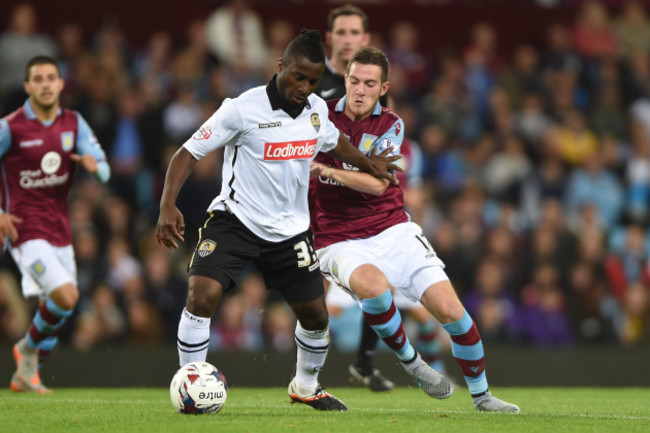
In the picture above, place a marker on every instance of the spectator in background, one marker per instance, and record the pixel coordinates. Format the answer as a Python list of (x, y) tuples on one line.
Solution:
[(506, 171), (531, 122), (594, 187), (607, 117), (18, 44), (576, 142), (523, 77), (70, 39), (494, 306), (403, 53), (632, 28), (633, 321), (592, 308), (594, 37), (544, 312), (154, 63), (637, 174), (559, 54), (279, 324), (236, 36), (100, 321)]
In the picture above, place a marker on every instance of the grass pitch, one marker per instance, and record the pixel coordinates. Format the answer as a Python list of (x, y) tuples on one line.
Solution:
[(267, 410)]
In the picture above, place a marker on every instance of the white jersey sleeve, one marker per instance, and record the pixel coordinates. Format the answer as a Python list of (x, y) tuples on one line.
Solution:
[(331, 136), (220, 130)]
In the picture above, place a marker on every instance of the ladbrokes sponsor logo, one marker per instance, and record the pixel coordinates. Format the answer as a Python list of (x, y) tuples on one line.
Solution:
[(289, 150)]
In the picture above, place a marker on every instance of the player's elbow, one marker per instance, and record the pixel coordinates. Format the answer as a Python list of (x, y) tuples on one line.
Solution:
[(379, 188)]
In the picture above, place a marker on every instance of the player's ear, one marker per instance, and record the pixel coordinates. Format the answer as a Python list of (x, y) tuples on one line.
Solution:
[(384, 87), (280, 64), (328, 38)]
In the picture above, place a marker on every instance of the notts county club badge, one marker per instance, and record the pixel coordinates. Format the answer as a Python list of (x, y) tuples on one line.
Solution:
[(315, 121), (206, 247)]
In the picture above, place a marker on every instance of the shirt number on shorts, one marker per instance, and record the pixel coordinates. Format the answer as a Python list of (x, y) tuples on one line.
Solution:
[(305, 253)]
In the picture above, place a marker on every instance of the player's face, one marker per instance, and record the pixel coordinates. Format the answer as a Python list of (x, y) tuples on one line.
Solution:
[(298, 79), (44, 85), (346, 37), (363, 87)]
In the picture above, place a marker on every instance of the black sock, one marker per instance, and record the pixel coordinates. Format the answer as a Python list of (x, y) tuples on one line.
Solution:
[(367, 347)]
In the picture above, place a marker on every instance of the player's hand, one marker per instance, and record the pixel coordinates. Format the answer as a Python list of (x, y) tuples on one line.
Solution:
[(382, 165), (88, 162), (171, 227), (8, 227), (316, 169)]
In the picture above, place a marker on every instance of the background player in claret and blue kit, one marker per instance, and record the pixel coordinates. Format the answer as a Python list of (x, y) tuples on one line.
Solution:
[(367, 244), (40, 145), (270, 135)]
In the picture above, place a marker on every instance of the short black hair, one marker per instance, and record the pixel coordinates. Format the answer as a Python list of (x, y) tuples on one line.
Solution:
[(371, 56), (41, 60), (347, 10), (307, 44)]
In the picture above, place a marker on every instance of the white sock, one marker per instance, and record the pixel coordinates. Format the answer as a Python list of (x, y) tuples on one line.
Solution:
[(193, 338), (312, 351)]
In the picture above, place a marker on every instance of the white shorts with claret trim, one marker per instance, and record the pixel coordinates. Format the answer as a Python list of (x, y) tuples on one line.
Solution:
[(44, 267), (401, 252)]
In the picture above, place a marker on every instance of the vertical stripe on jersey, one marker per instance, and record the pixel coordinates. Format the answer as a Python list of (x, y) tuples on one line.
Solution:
[(232, 178)]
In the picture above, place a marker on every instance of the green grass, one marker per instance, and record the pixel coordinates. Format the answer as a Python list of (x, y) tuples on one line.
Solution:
[(267, 410)]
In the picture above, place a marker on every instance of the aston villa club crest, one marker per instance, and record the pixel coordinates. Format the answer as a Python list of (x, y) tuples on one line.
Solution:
[(315, 121), (206, 248), (367, 140), (67, 141)]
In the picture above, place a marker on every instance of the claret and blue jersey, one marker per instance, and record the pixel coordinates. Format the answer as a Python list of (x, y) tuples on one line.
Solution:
[(37, 170), (341, 213)]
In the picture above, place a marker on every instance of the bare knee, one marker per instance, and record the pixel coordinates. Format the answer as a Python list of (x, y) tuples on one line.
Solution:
[(203, 296), (368, 281), (66, 296), (441, 300)]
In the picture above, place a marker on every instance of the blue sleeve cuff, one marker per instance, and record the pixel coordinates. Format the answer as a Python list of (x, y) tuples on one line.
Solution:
[(103, 171)]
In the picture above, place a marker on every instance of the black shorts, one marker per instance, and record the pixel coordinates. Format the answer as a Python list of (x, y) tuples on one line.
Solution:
[(225, 246)]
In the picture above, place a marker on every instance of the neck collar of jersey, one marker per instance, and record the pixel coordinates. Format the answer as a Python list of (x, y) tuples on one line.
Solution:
[(340, 106), (29, 111), (277, 103)]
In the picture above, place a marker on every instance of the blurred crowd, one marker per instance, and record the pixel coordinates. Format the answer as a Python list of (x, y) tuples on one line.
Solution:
[(531, 176)]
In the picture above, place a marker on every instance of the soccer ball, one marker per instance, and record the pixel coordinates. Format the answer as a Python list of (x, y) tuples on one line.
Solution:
[(198, 387)]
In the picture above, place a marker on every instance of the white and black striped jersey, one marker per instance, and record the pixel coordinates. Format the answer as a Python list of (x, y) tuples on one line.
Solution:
[(266, 158)]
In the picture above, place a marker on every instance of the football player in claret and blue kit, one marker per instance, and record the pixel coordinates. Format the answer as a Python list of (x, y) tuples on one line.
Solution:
[(40, 145), (270, 135), (367, 244)]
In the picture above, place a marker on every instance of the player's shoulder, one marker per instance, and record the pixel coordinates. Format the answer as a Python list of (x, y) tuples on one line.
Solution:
[(388, 119), (72, 114), (317, 103), (389, 116), (14, 115), (252, 94)]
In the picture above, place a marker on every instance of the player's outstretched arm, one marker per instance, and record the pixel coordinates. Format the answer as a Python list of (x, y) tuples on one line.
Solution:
[(171, 224), (380, 166), (356, 180)]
